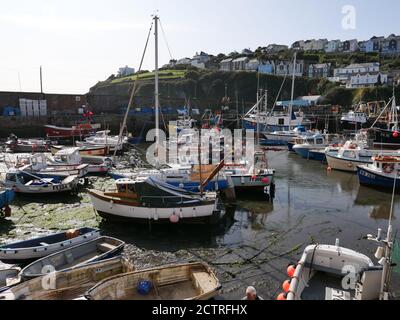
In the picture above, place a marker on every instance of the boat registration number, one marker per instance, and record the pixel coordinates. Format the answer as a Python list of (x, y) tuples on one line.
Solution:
[(61, 187)]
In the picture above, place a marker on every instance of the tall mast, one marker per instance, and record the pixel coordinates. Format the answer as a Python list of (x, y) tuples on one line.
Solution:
[(156, 92), (41, 80), (292, 95)]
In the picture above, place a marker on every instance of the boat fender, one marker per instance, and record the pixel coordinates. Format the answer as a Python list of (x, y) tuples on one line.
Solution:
[(144, 287), (242, 180), (194, 213), (181, 213), (282, 297), (174, 218), (111, 204), (286, 286), (291, 271)]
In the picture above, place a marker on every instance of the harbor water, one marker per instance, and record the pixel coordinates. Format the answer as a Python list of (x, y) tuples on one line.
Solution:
[(254, 242)]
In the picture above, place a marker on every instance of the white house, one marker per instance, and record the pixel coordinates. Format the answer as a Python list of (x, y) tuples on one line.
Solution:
[(344, 74), (184, 61), (319, 70), (126, 71), (226, 65), (252, 65), (239, 64), (315, 45), (312, 100), (275, 48), (332, 46), (299, 45), (367, 80)]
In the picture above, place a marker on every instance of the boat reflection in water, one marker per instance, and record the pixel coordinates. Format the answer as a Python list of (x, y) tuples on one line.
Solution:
[(380, 209)]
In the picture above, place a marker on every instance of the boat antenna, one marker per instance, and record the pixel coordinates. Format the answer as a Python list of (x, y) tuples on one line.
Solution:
[(133, 93)]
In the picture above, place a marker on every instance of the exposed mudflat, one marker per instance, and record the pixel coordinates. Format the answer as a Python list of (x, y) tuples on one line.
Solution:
[(253, 243)]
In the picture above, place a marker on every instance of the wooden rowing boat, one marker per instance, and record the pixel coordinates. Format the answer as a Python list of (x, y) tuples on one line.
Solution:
[(69, 284), (195, 281)]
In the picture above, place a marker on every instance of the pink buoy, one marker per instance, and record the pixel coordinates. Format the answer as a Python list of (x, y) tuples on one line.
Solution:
[(265, 180), (174, 218)]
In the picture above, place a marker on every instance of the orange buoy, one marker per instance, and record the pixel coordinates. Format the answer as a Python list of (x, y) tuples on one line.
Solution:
[(291, 271), (282, 297), (395, 134), (286, 286)]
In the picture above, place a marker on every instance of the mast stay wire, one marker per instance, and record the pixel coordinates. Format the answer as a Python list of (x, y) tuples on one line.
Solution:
[(133, 92)]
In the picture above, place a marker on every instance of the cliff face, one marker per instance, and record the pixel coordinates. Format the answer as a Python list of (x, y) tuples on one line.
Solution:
[(204, 89), (207, 89)]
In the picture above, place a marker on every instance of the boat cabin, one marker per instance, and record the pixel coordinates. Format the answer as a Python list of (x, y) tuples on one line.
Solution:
[(69, 156), (316, 140), (387, 164)]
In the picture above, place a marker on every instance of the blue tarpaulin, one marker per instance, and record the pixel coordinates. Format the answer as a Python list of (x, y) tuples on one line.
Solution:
[(10, 111)]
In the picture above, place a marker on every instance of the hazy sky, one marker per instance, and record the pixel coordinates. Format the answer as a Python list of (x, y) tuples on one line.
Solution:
[(81, 42)]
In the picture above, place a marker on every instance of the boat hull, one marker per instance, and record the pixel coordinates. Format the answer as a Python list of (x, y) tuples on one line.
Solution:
[(95, 151), (72, 132), (370, 178), (123, 210), (6, 197), (248, 183), (31, 250), (344, 164)]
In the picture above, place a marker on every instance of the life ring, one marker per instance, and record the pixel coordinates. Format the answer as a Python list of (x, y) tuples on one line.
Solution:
[(388, 167)]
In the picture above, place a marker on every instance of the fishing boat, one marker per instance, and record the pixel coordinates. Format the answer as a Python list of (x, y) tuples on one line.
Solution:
[(82, 254), (353, 154), (33, 249), (195, 281), (303, 145), (71, 158), (5, 276), (16, 145), (382, 173), (104, 139), (28, 183), (283, 137), (388, 138), (84, 151), (70, 284), (39, 164), (153, 200), (354, 119), (6, 198), (79, 130), (278, 122), (251, 177), (182, 176)]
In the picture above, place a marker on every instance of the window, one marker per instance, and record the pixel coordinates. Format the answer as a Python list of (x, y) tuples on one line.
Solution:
[(281, 121)]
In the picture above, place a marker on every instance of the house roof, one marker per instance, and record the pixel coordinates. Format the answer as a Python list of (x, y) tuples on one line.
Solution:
[(241, 59), (226, 60), (362, 65)]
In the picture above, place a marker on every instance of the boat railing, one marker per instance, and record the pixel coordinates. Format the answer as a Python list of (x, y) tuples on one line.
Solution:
[(164, 199)]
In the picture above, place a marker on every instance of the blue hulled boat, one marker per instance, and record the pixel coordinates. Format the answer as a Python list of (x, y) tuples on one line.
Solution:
[(382, 173)]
